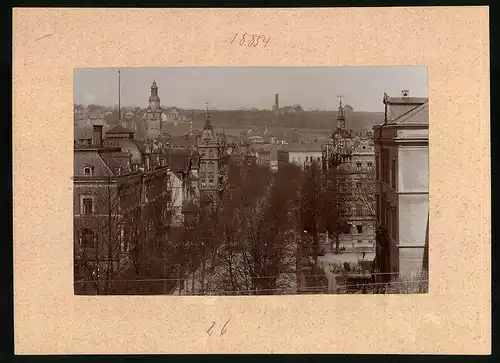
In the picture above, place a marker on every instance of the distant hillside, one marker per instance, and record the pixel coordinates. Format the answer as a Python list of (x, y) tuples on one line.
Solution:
[(321, 120), (245, 119)]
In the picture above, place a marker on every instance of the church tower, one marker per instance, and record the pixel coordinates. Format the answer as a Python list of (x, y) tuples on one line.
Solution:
[(341, 117), (153, 114), (209, 151)]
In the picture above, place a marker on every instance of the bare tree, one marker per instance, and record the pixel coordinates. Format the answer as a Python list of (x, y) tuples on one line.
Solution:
[(125, 234)]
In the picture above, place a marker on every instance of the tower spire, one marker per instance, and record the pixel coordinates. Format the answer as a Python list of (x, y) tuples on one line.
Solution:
[(208, 124), (340, 115)]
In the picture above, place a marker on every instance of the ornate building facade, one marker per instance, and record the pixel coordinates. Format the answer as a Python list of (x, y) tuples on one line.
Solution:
[(212, 166), (153, 114), (122, 206), (353, 161)]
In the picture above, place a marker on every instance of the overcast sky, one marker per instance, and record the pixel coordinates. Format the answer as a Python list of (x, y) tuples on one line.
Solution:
[(236, 87)]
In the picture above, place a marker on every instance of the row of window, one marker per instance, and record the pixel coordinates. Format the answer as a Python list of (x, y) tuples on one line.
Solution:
[(209, 182), (209, 154), (386, 172), (307, 159), (387, 216)]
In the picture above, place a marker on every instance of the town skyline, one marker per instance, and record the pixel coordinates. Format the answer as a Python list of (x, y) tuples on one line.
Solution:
[(314, 88)]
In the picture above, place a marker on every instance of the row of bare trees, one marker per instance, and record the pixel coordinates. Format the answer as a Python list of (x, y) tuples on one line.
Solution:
[(125, 235), (253, 238), (257, 235)]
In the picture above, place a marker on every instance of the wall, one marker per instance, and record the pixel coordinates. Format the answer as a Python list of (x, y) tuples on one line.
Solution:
[(413, 173), (412, 213), (300, 156), (410, 261)]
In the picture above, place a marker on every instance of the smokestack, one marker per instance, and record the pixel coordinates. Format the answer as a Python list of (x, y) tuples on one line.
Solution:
[(276, 101), (97, 139)]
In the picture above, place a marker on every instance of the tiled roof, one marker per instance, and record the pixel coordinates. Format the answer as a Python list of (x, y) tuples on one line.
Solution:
[(110, 161), (119, 130), (297, 147), (180, 141), (141, 145)]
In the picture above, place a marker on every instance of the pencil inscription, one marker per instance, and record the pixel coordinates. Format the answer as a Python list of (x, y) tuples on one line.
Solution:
[(249, 40), (222, 331)]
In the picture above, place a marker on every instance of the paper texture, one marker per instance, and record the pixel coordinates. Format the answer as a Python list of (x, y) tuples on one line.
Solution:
[(453, 318)]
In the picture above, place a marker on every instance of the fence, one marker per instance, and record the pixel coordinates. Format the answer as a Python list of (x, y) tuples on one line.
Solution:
[(416, 283)]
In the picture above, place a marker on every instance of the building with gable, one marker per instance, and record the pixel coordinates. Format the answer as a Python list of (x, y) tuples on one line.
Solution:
[(212, 164), (122, 198)]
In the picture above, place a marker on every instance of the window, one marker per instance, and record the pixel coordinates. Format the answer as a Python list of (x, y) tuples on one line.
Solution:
[(318, 158), (359, 209), (360, 241), (382, 210), (394, 223), (307, 158), (211, 181), (359, 227), (87, 206), (87, 170), (385, 166), (393, 173), (358, 166), (88, 238), (370, 166)]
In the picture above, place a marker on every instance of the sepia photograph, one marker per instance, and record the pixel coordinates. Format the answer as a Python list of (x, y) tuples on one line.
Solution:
[(235, 181)]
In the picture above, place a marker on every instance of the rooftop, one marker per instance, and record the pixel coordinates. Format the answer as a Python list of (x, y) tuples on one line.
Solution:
[(298, 147), (416, 116), (119, 130), (404, 100)]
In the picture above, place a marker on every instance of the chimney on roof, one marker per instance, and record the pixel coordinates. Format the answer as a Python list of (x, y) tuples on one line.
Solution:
[(97, 136), (405, 93), (276, 102)]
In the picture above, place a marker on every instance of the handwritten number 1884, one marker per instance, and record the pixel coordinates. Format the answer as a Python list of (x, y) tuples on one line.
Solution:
[(251, 40)]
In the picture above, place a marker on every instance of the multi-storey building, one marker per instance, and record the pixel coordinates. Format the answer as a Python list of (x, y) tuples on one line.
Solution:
[(301, 154), (122, 207), (402, 185), (212, 165), (353, 159)]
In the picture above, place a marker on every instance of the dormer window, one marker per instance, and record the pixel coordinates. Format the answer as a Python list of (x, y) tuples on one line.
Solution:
[(87, 171)]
